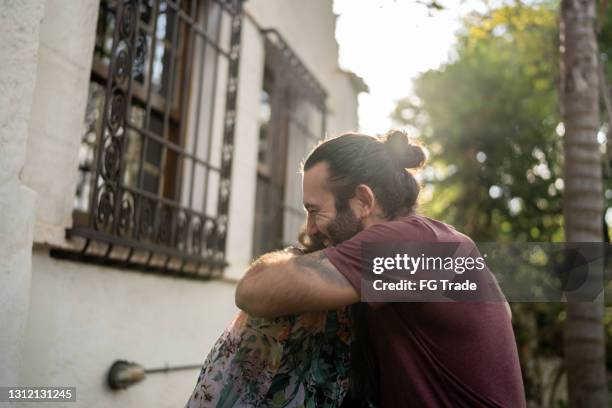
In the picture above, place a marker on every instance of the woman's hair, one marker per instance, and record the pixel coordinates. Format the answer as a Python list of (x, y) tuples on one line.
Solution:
[(309, 244), (381, 163)]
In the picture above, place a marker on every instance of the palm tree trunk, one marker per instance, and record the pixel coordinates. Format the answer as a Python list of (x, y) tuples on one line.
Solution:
[(583, 201)]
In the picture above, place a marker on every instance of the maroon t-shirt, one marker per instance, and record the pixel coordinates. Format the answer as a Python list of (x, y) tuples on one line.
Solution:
[(459, 354)]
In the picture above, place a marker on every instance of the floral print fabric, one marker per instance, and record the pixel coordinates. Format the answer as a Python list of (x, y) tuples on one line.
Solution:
[(292, 361)]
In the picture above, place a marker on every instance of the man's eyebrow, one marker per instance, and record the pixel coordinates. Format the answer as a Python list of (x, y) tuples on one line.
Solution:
[(309, 206)]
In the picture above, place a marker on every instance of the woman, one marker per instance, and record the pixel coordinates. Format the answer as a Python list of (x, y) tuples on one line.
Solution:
[(289, 361)]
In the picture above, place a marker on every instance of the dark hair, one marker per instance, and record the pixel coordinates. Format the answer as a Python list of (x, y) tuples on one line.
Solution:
[(381, 163)]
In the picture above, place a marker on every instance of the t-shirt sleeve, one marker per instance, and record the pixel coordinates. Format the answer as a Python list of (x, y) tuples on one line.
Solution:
[(349, 257)]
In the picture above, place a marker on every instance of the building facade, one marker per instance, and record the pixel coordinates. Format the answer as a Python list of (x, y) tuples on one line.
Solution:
[(150, 149)]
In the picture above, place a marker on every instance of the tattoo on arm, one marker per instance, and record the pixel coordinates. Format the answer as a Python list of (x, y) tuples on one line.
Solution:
[(320, 265)]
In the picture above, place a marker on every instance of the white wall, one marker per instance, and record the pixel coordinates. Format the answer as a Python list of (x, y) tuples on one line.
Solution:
[(19, 47), (67, 37), (84, 317)]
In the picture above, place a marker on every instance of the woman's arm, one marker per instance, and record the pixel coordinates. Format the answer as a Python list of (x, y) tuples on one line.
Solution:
[(282, 283)]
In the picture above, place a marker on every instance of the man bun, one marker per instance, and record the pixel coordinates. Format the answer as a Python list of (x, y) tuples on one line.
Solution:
[(403, 153)]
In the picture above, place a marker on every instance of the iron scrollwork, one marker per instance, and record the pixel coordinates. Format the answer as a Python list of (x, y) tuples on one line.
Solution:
[(125, 215)]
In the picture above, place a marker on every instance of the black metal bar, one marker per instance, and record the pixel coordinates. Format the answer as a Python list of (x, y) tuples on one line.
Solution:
[(183, 106), (118, 263), (128, 108), (86, 246), (148, 87), (207, 40), (109, 249), (211, 115), (129, 257), (228, 135), (158, 200), (145, 140), (309, 81), (169, 102), (172, 146), (137, 245), (105, 112), (200, 84), (189, 20), (149, 258), (167, 369), (184, 99)]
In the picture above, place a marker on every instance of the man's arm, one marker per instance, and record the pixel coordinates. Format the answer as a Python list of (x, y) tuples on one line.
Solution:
[(282, 283)]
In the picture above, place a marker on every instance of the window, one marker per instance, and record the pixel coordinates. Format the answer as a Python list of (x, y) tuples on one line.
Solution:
[(155, 158), (292, 121)]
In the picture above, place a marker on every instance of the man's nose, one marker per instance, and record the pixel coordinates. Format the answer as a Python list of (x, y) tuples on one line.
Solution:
[(311, 227)]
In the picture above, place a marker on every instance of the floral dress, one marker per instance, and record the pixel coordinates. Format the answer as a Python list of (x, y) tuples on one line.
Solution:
[(292, 361)]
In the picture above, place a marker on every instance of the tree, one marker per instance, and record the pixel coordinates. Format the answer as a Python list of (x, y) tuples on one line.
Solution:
[(583, 199), (488, 119)]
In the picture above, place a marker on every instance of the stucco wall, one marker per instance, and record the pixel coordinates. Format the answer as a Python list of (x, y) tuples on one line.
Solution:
[(19, 28), (84, 317), (64, 66)]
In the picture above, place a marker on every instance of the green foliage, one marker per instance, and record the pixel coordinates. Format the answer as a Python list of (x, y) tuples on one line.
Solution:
[(488, 119), (604, 38)]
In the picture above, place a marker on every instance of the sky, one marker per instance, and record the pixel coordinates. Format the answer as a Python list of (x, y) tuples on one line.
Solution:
[(388, 43)]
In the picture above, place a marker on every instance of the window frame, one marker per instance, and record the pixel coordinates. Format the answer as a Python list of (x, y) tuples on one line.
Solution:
[(288, 82), (127, 225)]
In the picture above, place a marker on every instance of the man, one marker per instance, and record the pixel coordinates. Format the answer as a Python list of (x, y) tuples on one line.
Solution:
[(357, 189)]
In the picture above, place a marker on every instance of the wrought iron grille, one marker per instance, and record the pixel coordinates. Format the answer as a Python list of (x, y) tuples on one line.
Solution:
[(295, 123), (156, 158)]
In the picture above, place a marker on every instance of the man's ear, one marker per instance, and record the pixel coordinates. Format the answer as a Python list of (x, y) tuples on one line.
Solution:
[(364, 201)]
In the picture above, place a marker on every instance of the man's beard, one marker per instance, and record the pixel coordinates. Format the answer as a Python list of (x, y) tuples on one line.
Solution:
[(344, 226)]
